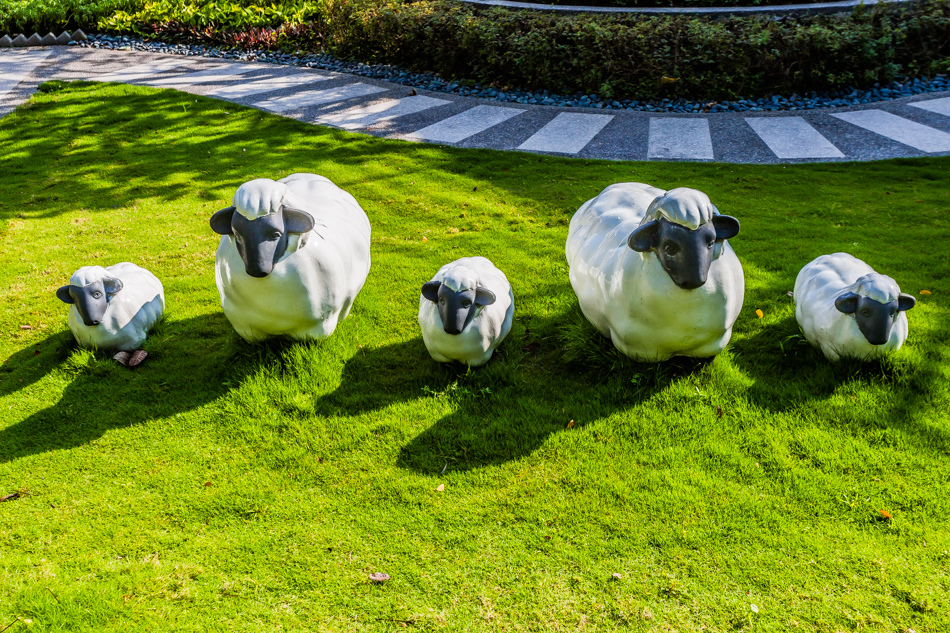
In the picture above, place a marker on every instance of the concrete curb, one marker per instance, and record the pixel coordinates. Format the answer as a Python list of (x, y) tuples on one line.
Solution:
[(21, 41)]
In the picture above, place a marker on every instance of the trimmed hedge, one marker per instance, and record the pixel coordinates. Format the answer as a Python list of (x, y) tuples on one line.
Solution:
[(614, 56), (646, 56)]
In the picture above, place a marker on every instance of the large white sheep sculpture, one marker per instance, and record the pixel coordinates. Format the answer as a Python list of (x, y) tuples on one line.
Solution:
[(652, 270), (465, 311), (112, 307), (846, 309), (294, 253)]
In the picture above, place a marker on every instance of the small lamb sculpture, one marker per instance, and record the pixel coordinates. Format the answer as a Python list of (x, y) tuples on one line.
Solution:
[(113, 307), (465, 311), (293, 256), (848, 310), (652, 270)]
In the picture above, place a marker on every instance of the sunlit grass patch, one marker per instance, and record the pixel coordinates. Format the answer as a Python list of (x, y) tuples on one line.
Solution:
[(231, 486)]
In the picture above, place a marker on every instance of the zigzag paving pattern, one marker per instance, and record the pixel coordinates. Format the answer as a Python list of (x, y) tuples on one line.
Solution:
[(911, 126)]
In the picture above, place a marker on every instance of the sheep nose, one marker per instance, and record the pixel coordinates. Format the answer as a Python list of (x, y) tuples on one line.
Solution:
[(691, 284), (452, 330)]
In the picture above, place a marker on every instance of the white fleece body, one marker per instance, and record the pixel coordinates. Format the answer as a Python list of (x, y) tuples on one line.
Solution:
[(836, 334), (629, 297), (132, 312), (314, 284), (476, 343)]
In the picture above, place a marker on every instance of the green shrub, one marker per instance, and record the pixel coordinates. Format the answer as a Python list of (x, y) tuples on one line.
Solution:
[(219, 14), (645, 56), (615, 56), (43, 16)]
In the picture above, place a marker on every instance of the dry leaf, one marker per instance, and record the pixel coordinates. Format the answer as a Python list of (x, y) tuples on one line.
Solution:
[(759, 314), (718, 411), (378, 576), (425, 239), (570, 424), (26, 327), (11, 497), (668, 80), (137, 358), (207, 483), (886, 514), (615, 576), (440, 488), (925, 292)]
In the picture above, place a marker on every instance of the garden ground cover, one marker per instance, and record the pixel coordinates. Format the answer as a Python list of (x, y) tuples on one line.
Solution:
[(228, 486)]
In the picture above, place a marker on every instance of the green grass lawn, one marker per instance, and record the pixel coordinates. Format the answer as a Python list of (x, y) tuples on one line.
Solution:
[(225, 486)]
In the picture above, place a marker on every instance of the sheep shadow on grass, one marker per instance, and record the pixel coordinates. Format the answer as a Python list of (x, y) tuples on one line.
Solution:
[(789, 372), (377, 377), (32, 363), (190, 364), (549, 373)]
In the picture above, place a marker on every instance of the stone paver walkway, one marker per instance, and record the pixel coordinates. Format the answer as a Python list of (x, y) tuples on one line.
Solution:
[(911, 126)]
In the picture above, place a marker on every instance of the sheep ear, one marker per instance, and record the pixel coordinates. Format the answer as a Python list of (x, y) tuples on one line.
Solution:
[(297, 221), (905, 302), (484, 296), (112, 286), (63, 294), (727, 227), (847, 303), (645, 237), (221, 221), (430, 290)]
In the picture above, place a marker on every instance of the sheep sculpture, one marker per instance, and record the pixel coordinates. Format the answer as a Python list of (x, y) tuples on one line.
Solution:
[(465, 311), (293, 255), (113, 307), (652, 270), (847, 310)]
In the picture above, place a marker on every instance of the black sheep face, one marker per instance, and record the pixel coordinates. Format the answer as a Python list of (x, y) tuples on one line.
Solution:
[(684, 253), (91, 300), (261, 242), (456, 308), (874, 319)]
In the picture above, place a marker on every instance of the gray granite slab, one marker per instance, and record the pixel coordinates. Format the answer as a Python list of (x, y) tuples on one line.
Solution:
[(310, 98), (916, 135), (680, 138), (365, 116), (459, 127), (793, 137), (567, 133)]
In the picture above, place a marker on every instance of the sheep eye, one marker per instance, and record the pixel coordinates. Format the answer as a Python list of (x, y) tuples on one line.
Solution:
[(275, 235), (442, 301), (466, 304), (671, 249), (866, 313), (96, 294)]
